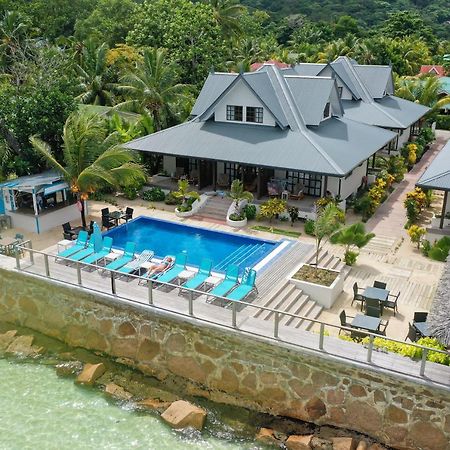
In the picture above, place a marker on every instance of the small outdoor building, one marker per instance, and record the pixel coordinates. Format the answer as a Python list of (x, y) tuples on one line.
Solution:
[(37, 203), (437, 177)]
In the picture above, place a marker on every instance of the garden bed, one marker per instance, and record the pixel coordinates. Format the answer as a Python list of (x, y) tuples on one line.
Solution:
[(289, 233), (315, 275)]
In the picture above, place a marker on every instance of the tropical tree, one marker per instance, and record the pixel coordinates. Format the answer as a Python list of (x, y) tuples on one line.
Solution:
[(238, 194), (227, 14), (95, 77), (90, 159), (352, 236), (153, 88), (185, 195)]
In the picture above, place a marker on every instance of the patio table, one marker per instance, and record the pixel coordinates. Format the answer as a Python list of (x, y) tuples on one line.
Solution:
[(368, 323), (422, 328), (376, 293), (116, 215)]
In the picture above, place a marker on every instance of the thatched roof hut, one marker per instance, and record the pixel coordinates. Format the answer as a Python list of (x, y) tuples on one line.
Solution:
[(439, 317)]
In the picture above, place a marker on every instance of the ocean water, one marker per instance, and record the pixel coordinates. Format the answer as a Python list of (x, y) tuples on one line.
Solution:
[(39, 410), (168, 238)]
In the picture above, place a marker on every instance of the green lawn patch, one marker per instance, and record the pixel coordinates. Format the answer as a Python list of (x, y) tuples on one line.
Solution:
[(289, 233)]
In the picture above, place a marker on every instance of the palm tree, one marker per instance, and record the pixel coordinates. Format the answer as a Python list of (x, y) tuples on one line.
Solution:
[(237, 194), (91, 161), (424, 90), (184, 194), (94, 76), (227, 14), (152, 88), (352, 236), (337, 48)]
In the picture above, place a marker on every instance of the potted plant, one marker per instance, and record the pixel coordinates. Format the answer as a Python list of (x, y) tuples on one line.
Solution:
[(236, 217), (188, 199)]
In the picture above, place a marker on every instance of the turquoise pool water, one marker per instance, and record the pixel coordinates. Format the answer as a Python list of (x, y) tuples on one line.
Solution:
[(168, 238), (41, 411)]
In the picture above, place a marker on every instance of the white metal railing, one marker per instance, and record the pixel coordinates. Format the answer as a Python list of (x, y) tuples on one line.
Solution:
[(236, 306)]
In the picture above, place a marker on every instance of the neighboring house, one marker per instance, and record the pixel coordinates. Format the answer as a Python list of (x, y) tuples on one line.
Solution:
[(444, 91), (439, 71), (367, 94), (257, 65), (270, 127)]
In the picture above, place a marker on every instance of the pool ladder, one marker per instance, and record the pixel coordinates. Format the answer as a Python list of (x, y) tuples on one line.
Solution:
[(239, 256)]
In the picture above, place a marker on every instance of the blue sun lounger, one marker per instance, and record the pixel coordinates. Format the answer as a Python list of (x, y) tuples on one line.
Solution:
[(246, 286), (136, 264), (89, 250), (127, 257), (106, 249), (197, 280), (230, 281), (171, 274), (80, 244)]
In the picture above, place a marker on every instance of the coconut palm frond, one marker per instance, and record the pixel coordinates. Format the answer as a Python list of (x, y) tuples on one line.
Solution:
[(45, 151)]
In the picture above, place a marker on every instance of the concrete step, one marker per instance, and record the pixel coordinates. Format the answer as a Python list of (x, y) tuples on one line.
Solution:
[(296, 309), (305, 312), (286, 303), (271, 296), (314, 314)]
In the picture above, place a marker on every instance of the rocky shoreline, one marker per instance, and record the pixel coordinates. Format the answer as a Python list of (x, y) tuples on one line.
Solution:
[(178, 410)]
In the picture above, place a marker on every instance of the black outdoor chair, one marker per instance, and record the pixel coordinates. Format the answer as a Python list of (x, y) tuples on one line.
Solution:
[(392, 303), (373, 304), (420, 316), (383, 326), (107, 222), (91, 227), (128, 214), (379, 285), (373, 311), (357, 297), (343, 318), (105, 212), (68, 232), (413, 334)]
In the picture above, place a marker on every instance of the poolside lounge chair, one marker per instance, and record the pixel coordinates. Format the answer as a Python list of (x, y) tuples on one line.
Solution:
[(171, 274), (128, 256), (80, 244), (97, 256), (152, 276), (89, 250), (230, 281), (197, 280), (245, 288), (136, 264)]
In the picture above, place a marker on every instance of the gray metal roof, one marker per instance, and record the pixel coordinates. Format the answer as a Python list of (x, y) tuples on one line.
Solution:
[(378, 79), (306, 69), (335, 147), (437, 174)]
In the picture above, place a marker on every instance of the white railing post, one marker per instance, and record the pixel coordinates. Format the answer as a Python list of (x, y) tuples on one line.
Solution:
[(423, 362), (30, 246), (113, 282), (150, 292), (321, 335), (276, 324), (370, 349), (18, 260), (191, 303), (234, 315), (79, 273), (47, 268)]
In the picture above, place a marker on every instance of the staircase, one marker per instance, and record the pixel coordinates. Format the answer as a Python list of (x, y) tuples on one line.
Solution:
[(215, 210), (327, 261)]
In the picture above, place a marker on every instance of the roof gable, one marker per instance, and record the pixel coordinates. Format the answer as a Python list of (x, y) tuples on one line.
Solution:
[(433, 69), (437, 174), (378, 79)]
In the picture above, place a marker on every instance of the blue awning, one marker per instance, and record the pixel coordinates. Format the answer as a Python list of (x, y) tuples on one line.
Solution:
[(55, 188)]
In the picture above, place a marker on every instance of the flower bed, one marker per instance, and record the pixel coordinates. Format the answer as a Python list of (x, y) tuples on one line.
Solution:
[(316, 275)]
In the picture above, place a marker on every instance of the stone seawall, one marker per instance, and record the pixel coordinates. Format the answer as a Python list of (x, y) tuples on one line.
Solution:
[(230, 368)]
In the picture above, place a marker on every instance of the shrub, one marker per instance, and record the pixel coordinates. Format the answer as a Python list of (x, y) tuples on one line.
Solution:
[(250, 211), (414, 203), (172, 200), (235, 216), (293, 214), (154, 194), (309, 227), (443, 122), (130, 192), (273, 207), (440, 249), (416, 234), (426, 246)]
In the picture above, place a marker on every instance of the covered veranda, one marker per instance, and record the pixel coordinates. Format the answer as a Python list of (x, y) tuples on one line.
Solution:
[(437, 177)]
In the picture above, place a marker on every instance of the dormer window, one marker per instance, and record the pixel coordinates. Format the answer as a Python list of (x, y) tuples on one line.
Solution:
[(327, 111), (254, 114), (235, 113)]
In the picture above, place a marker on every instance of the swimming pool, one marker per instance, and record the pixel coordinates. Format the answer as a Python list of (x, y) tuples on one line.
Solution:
[(169, 238)]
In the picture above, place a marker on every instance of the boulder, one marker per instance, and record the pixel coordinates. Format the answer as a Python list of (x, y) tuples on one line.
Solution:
[(6, 339), (343, 443), (267, 436), (363, 445), (321, 444), (154, 403), (118, 391), (296, 442), (23, 345), (90, 373), (182, 414), (69, 368)]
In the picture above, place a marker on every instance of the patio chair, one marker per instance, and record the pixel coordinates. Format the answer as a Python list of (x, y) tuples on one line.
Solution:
[(179, 173), (379, 285), (168, 261), (105, 212), (420, 316), (107, 222), (98, 256), (229, 282), (413, 333), (392, 303), (357, 297), (128, 214), (89, 250), (273, 189), (136, 264), (382, 328), (79, 245), (197, 280), (246, 287), (193, 176), (128, 256), (343, 318), (373, 311), (373, 304), (68, 233), (171, 273), (223, 180), (297, 192)]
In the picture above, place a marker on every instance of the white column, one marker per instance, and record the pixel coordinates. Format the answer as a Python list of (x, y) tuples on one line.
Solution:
[(35, 206)]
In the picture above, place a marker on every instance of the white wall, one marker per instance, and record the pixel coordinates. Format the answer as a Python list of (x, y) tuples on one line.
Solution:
[(346, 94), (349, 185), (169, 164), (403, 138), (241, 95)]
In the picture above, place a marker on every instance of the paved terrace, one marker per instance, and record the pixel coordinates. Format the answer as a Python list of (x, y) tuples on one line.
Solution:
[(195, 307)]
